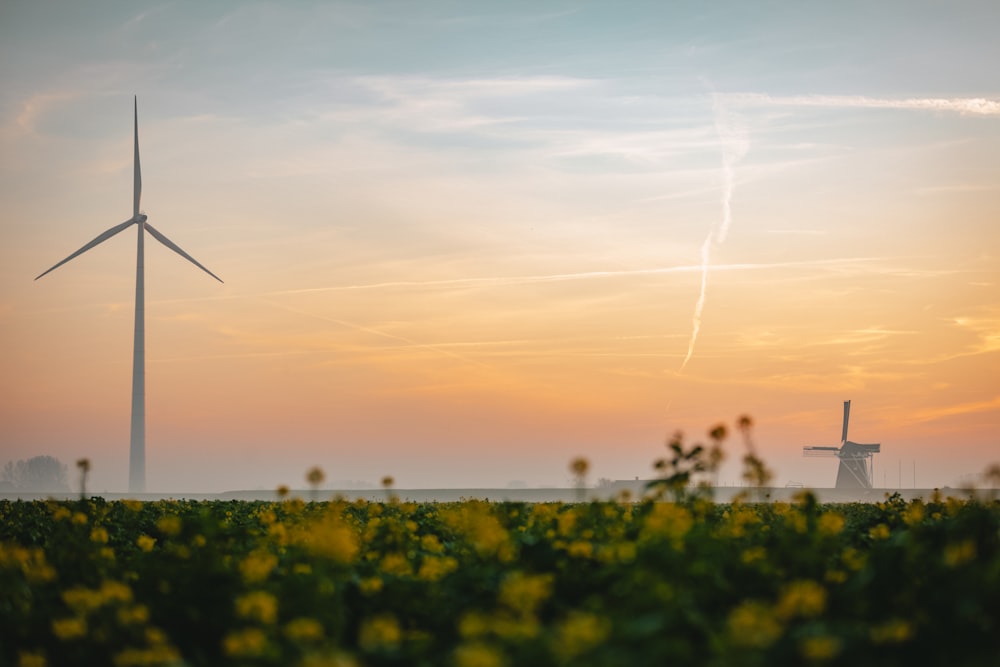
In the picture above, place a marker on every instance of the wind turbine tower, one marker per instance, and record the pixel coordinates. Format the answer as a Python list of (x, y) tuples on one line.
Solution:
[(137, 439)]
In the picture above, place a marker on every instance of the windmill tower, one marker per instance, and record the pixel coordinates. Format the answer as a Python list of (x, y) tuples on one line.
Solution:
[(855, 470)]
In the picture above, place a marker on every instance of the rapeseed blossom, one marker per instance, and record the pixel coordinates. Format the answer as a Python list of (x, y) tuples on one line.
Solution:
[(304, 630), (145, 543), (381, 632), (478, 654), (257, 566), (259, 606), (819, 649), (804, 598), (578, 633), (245, 643), (753, 624), (67, 629)]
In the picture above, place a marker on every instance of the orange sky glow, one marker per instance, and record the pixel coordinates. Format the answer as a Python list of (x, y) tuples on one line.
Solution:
[(463, 264)]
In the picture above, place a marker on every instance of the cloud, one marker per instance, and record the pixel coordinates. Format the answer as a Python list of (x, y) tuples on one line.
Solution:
[(959, 409), (37, 105), (500, 281), (975, 106)]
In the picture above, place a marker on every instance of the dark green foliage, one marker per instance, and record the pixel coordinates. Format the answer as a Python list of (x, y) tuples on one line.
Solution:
[(601, 583)]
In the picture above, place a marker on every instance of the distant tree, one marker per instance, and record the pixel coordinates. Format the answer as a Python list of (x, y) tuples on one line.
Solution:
[(39, 473)]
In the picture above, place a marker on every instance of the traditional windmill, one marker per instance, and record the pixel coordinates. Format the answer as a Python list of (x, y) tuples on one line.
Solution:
[(855, 460)]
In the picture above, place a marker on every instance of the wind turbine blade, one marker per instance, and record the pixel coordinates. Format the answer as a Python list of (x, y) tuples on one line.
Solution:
[(100, 239), (173, 246), (137, 183)]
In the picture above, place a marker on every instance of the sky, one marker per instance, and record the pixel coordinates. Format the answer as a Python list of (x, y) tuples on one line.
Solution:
[(466, 242)]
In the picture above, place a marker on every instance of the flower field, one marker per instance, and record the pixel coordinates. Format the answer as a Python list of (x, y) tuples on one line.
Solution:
[(686, 582)]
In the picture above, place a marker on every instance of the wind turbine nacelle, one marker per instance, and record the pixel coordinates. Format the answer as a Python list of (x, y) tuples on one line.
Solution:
[(140, 217)]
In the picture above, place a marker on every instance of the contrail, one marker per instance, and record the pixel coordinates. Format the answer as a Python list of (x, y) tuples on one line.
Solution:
[(700, 305), (974, 106), (734, 145)]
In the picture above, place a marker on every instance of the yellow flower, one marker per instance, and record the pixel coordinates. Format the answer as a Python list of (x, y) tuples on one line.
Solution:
[(668, 520), (752, 624), (819, 649), (61, 513), (578, 633), (379, 633), (161, 654), (329, 660), (483, 531), (33, 566), (580, 549), (478, 654), (79, 518), (434, 568), (796, 521), (370, 585), (99, 535), (914, 514), (893, 631), (132, 505), (473, 624), (879, 532), (246, 643), (566, 521), (258, 606), (396, 564), (830, 524), (169, 525), (304, 630), (514, 628), (30, 659), (625, 552), (753, 555), (431, 543), (331, 538), (522, 593), (134, 615), (69, 628), (145, 543), (801, 598), (960, 553), (738, 521), (835, 576), (115, 591), (257, 566), (82, 600), (853, 559), (155, 636)]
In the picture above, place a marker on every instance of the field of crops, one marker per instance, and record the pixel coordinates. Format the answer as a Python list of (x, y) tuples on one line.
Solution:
[(686, 582)]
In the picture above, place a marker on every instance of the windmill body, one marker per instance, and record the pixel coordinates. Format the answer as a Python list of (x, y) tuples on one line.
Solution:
[(855, 471), (137, 438)]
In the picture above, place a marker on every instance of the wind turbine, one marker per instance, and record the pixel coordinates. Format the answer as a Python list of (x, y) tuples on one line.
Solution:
[(137, 440)]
